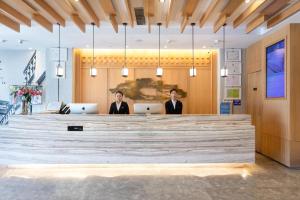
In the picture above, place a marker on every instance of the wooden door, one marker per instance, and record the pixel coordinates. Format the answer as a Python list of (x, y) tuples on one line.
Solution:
[(254, 105)]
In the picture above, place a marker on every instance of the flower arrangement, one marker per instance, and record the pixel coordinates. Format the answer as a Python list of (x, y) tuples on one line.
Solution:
[(27, 93)]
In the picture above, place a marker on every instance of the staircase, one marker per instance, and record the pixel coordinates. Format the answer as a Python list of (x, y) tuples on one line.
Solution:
[(29, 71), (6, 110)]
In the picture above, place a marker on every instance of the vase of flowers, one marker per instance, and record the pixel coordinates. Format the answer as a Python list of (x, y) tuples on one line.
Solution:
[(26, 95)]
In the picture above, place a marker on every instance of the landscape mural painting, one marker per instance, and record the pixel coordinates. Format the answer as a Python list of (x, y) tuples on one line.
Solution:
[(275, 77), (147, 89)]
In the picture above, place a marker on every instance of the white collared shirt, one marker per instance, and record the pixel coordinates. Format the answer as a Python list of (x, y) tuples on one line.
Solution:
[(174, 103), (118, 105)]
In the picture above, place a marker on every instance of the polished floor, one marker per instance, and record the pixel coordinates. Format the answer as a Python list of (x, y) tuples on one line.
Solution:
[(264, 180)]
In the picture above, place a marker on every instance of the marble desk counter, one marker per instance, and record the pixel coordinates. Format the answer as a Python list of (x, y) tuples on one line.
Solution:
[(44, 139)]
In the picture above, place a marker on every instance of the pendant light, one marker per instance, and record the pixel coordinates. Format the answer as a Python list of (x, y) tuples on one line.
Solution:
[(59, 67), (93, 69), (159, 70), (224, 70), (124, 71), (193, 70)]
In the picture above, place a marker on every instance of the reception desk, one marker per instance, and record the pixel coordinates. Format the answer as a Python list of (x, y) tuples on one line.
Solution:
[(45, 139)]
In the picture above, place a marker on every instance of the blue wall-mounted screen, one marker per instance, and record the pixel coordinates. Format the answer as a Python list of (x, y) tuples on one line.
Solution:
[(275, 70)]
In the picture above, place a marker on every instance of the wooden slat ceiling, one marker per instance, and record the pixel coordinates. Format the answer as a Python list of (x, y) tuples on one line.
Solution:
[(206, 13)]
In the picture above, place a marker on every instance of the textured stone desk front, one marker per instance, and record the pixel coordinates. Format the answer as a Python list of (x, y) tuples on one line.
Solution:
[(44, 139)]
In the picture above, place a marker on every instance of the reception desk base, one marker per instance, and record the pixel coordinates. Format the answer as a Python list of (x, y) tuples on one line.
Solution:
[(45, 139)]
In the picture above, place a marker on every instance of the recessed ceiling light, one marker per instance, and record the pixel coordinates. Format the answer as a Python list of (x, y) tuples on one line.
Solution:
[(127, 46), (165, 46), (162, 1), (170, 41), (87, 46), (76, 0), (247, 1), (204, 47), (216, 41), (30, 48)]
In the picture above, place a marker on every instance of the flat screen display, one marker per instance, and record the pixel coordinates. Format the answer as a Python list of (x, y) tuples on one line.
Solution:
[(275, 61)]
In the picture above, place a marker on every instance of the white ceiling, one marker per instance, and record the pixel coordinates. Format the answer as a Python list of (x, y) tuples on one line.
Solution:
[(138, 37)]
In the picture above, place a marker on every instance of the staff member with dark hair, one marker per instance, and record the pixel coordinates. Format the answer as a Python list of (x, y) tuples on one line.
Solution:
[(119, 106), (173, 106)]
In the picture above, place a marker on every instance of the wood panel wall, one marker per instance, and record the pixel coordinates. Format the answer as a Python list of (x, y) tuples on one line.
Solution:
[(276, 120), (201, 90)]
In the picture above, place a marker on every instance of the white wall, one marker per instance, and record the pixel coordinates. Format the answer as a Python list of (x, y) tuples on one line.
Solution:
[(13, 63)]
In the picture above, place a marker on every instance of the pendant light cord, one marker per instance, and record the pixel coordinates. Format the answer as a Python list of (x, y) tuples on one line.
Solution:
[(93, 24), (224, 45), (193, 24), (58, 43), (125, 49), (58, 60), (159, 24)]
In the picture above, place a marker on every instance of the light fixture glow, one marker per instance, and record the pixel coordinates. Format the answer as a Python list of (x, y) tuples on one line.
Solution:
[(247, 1), (162, 1), (193, 70), (224, 70), (93, 70), (125, 71), (60, 70), (159, 70)]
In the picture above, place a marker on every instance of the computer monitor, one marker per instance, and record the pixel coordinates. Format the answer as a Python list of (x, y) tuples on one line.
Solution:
[(84, 108), (147, 108)]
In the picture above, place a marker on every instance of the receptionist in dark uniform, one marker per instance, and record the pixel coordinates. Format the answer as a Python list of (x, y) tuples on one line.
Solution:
[(173, 106), (119, 106)]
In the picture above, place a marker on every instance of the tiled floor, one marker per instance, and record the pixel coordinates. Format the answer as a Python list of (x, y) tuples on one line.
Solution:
[(264, 180)]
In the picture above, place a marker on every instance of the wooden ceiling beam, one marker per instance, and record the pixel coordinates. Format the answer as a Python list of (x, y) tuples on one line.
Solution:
[(283, 15), (255, 23), (14, 13), (169, 12), (110, 10), (46, 7), (114, 22), (108, 7), (229, 9), (221, 21), (250, 11), (273, 8), (208, 12), (187, 12), (78, 21), (9, 22), (184, 23), (190, 7), (129, 13), (148, 12), (43, 21), (85, 4)]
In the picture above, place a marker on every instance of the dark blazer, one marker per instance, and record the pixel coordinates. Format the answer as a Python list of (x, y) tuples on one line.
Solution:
[(170, 108), (124, 109)]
